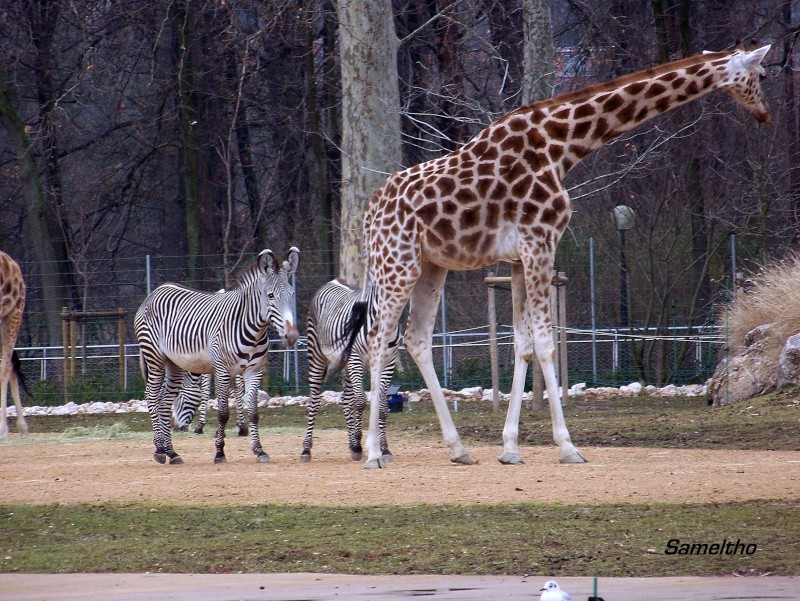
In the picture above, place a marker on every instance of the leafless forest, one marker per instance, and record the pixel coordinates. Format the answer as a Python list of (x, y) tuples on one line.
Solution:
[(197, 132)]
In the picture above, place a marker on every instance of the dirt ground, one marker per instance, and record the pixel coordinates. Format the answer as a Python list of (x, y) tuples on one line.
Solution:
[(41, 469)]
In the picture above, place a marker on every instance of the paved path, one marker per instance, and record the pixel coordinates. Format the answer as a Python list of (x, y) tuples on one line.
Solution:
[(328, 587)]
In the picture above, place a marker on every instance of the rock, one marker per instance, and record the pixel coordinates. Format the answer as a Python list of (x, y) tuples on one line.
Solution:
[(743, 376), (789, 362), (758, 334)]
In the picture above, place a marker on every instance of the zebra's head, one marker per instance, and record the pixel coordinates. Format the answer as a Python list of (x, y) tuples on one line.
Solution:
[(278, 294)]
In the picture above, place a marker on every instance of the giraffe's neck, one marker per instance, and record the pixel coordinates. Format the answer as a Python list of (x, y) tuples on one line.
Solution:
[(572, 125)]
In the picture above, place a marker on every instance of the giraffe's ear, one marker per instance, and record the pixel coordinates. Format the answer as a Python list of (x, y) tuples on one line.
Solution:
[(754, 57)]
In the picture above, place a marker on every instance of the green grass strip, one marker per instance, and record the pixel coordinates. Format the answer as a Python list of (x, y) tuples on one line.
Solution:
[(612, 540)]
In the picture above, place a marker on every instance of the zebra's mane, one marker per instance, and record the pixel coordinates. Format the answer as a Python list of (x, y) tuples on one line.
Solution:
[(245, 277)]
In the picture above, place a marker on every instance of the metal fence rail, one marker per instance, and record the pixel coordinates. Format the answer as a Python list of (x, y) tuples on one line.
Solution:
[(598, 357)]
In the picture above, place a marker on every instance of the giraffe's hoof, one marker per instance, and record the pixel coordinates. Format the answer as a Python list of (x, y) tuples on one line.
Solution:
[(464, 459), (220, 458), (374, 464), (176, 460), (387, 456), (510, 459), (160, 457), (573, 457), (356, 455), (305, 457), (262, 457), (243, 431)]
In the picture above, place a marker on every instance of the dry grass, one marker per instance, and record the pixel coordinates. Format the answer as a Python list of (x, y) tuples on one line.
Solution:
[(772, 297)]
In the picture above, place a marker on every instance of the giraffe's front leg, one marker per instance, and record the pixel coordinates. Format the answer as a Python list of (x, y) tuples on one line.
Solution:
[(523, 352)]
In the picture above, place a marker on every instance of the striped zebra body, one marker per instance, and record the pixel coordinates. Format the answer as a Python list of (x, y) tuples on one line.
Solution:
[(183, 330), (328, 350), (193, 399)]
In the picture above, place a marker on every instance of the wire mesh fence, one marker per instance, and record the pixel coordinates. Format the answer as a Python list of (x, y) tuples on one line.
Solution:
[(598, 354)]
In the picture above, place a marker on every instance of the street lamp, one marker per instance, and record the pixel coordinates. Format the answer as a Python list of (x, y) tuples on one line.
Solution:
[(623, 220)]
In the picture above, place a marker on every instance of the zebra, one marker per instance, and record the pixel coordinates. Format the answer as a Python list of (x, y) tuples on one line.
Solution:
[(328, 351), (193, 400), (180, 330)]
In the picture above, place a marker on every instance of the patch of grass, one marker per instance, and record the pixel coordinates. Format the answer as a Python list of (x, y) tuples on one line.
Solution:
[(614, 540), (767, 423)]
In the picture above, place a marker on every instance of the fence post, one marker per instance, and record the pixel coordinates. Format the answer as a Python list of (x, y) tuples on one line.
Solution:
[(493, 354), (560, 283), (121, 340), (65, 343)]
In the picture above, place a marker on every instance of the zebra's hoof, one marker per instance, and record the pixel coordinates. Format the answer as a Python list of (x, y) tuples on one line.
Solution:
[(305, 457), (573, 457), (262, 458), (356, 455), (198, 430), (387, 456), (176, 460), (464, 459), (510, 459), (160, 457), (220, 459), (243, 431)]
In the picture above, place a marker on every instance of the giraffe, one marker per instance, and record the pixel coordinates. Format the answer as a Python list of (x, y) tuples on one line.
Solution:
[(500, 198), (12, 303)]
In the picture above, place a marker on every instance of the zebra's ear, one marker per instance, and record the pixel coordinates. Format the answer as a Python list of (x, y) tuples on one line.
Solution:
[(292, 260), (267, 261)]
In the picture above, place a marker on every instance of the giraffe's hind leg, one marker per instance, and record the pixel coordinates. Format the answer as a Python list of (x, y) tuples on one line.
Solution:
[(419, 332)]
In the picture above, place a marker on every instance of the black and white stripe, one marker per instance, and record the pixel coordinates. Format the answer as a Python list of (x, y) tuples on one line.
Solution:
[(329, 349), (183, 330)]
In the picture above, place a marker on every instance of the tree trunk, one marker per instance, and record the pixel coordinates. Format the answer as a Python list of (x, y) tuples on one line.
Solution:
[(370, 118), (539, 58), (44, 233)]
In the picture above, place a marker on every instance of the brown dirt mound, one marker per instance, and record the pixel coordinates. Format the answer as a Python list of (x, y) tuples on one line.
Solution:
[(46, 469)]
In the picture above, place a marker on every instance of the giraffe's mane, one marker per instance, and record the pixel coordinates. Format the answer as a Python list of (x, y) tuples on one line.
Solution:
[(615, 84)]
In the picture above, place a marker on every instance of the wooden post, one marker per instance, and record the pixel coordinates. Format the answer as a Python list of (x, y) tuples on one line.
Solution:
[(121, 340), (65, 343), (493, 354), (561, 288)]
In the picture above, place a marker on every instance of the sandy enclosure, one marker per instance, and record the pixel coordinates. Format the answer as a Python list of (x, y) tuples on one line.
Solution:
[(49, 469)]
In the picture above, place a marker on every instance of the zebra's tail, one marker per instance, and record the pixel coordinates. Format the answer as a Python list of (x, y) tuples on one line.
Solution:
[(356, 321), (17, 367)]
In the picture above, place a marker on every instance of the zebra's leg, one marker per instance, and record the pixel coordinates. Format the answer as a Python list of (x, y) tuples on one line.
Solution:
[(205, 394), (172, 385), (317, 368), (154, 395), (353, 403), (222, 381), (386, 378), (239, 396), (250, 384)]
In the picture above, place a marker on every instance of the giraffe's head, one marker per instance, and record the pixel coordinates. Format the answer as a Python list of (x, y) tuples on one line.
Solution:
[(278, 292), (743, 82)]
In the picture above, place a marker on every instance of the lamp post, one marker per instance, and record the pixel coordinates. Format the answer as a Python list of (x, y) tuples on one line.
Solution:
[(623, 220)]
